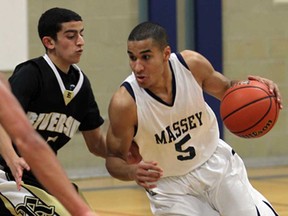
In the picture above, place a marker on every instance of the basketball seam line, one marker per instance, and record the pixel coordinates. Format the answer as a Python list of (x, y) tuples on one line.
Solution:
[(259, 119), (224, 118), (242, 87)]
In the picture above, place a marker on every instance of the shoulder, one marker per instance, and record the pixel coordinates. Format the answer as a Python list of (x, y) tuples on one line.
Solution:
[(122, 107), (25, 72), (26, 65), (31, 66), (122, 100), (194, 59), (122, 114), (124, 97), (199, 66)]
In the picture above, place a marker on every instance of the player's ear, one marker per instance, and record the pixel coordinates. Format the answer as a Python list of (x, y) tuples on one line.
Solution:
[(48, 42), (166, 53)]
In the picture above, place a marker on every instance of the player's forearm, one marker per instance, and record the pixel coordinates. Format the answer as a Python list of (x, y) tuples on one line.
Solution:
[(45, 159), (96, 142), (16, 124), (120, 169), (11, 120), (101, 149)]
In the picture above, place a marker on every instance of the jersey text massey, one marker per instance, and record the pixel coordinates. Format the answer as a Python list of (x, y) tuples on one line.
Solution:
[(172, 132), (55, 122)]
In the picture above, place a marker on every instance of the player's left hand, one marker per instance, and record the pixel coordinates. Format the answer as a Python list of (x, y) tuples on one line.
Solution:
[(273, 88)]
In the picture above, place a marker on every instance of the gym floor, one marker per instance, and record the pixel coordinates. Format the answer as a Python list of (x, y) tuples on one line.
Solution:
[(111, 197)]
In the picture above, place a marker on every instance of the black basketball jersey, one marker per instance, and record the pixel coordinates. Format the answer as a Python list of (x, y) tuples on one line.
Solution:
[(57, 104)]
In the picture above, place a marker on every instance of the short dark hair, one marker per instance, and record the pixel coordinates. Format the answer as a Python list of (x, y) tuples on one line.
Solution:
[(151, 30), (50, 21)]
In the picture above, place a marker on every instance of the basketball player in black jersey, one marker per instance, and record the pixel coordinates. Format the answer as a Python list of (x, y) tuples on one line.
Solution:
[(58, 100), (15, 122)]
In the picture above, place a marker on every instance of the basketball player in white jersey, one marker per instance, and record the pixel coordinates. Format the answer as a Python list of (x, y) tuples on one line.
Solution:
[(186, 168)]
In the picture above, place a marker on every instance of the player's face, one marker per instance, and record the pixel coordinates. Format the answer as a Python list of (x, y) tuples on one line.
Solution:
[(148, 62), (69, 45)]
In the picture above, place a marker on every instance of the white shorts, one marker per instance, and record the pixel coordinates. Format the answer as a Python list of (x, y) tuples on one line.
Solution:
[(29, 200), (220, 187)]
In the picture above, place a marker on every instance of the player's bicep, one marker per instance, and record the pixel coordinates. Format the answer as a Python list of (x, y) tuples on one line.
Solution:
[(211, 81), (122, 122), (216, 84)]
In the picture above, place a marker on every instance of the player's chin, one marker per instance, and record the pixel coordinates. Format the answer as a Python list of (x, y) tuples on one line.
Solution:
[(76, 58), (143, 83)]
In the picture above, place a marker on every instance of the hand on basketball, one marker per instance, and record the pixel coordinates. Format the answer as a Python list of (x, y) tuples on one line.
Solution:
[(272, 87), (146, 174), (248, 109)]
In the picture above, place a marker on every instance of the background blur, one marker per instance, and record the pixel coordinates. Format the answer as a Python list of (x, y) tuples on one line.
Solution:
[(254, 40)]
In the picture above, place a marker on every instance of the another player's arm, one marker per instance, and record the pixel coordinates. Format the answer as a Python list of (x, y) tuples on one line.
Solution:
[(96, 142), (15, 163), (44, 164)]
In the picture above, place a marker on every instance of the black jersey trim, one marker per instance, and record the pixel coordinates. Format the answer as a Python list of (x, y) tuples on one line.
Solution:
[(131, 92), (129, 89), (173, 90), (181, 59)]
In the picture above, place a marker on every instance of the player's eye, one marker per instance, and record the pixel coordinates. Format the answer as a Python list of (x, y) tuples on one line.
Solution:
[(70, 36), (132, 58), (146, 57)]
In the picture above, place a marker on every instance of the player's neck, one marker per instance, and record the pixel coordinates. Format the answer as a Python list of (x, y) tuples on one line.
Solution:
[(62, 65), (164, 88)]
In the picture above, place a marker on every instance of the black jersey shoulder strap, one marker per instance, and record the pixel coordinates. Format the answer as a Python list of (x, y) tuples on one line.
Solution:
[(131, 92), (129, 89)]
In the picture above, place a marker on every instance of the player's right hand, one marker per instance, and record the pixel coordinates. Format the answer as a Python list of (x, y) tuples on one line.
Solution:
[(273, 87)]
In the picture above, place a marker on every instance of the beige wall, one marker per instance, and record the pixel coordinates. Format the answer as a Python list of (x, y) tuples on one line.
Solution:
[(255, 41)]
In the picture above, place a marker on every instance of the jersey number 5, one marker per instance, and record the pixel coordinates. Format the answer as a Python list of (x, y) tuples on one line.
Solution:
[(190, 149)]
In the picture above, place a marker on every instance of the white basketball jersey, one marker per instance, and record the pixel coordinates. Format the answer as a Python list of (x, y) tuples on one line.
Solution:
[(181, 136)]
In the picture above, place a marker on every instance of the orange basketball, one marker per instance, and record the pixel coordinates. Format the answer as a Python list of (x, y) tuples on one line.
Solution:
[(249, 110)]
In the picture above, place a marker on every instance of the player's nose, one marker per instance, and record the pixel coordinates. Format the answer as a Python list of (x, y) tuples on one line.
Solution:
[(138, 67)]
